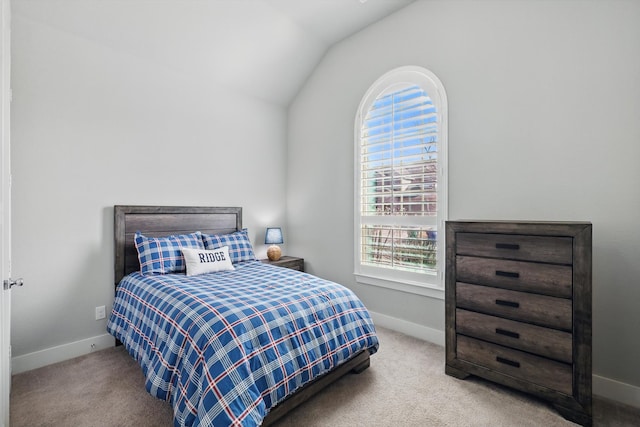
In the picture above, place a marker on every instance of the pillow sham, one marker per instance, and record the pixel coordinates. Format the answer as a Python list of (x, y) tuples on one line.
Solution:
[(240, 248), (201, 261), (162, 255)]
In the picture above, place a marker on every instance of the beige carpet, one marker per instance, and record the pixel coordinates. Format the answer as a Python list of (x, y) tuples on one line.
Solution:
[(405, 386)]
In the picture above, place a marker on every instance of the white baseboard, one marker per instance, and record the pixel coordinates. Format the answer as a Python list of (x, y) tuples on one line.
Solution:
[(604, 387), (409, 328), (616, 390), (60, 353)]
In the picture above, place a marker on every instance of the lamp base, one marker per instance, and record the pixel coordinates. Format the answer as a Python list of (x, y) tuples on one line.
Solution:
[(274, 253)]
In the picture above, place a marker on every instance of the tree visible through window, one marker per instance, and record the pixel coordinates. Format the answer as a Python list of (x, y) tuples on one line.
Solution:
[(399, 177)]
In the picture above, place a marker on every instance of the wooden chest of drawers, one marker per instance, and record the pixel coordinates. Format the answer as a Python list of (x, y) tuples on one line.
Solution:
[(518, 308)]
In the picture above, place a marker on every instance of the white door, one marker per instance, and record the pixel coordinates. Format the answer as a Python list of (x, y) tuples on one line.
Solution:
[(5, 216)]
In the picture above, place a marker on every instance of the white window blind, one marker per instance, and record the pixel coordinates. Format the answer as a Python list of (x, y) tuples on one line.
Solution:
[(399, 180)]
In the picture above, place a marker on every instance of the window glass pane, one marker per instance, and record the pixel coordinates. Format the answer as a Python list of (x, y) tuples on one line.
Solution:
[(404, 248), (399, 155)]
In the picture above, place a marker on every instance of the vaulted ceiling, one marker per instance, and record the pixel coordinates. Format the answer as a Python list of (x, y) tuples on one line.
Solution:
[(265, 48)]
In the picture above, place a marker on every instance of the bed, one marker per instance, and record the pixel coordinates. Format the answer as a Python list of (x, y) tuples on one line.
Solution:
[(241, 346)]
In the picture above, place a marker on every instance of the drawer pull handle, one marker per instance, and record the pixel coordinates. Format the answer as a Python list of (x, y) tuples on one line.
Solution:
[(507, 274), (508, 303), (507, 362), (507, 333), (512, 246)]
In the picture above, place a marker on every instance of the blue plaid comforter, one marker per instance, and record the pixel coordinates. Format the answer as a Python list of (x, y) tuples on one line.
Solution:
[(226, 347)]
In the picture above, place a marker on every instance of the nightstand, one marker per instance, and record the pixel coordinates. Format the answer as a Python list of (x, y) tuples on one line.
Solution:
[(291, 262)]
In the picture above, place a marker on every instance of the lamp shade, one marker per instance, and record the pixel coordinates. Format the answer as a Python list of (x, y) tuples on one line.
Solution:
[(273, 236)]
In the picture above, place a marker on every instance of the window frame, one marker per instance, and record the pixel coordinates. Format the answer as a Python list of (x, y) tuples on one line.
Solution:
[(388, 277)]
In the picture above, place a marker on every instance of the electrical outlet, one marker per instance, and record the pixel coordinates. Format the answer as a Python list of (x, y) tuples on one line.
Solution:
[(100, 313)]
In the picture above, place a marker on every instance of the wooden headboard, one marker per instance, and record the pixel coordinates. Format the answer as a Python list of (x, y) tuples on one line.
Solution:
[(154, 221)]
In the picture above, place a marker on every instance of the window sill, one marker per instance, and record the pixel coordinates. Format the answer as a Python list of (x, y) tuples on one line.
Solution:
[(423, 289)]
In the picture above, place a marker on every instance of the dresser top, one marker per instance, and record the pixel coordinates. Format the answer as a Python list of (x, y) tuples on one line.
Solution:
[(504, 221), (539, 228)]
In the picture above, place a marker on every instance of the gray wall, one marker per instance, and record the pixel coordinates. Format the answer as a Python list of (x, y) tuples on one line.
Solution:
[(544, 124), (94, 126)]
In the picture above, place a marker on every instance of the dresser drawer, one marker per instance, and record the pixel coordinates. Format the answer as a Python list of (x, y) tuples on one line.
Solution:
[(538, 370), (558, 250), (539, 309), (522, 336), (548, 279)]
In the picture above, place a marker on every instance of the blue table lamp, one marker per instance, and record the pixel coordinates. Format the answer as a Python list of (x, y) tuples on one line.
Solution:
[(273, 237)]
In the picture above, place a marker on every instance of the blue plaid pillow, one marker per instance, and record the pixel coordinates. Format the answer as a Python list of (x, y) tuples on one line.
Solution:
[(162, 255), (240, 248)]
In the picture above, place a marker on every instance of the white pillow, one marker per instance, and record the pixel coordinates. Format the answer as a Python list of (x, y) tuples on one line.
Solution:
[(201, 261)]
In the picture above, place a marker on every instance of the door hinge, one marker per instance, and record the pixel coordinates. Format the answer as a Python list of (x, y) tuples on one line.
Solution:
[(10, 283)]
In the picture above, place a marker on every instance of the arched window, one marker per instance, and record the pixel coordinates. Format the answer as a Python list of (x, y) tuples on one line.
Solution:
[(401, 188)]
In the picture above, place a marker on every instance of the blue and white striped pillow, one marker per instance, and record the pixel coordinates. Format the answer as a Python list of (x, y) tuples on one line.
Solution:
[(162, 255), (240, 248)]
